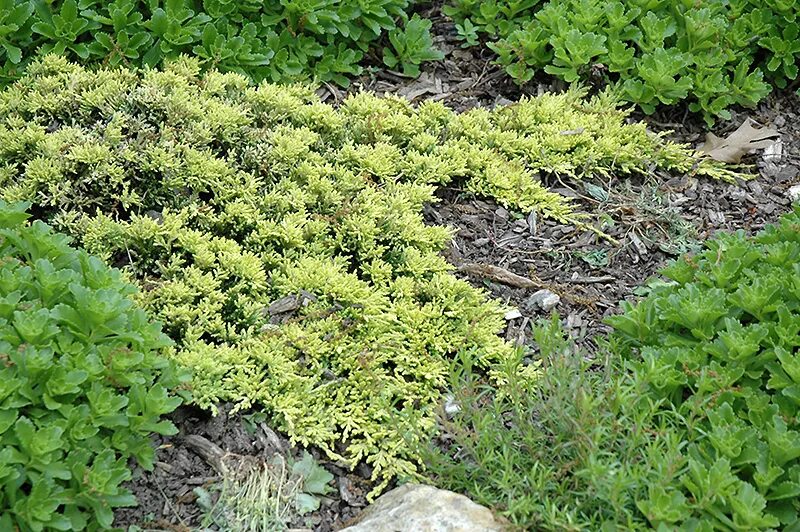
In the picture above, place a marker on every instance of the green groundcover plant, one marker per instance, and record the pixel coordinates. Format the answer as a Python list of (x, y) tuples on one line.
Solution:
[(278, 40), (569, 451), (281, 241), (713, 53), (83, 383), (689, 423), (719, 344)]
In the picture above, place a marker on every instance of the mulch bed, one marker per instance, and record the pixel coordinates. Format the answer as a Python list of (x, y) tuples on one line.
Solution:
[(167, 496), (648, 221)]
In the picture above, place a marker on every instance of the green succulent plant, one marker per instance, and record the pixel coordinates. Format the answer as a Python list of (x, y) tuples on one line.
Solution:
[(713, 56), (83, 382), (281, 41)]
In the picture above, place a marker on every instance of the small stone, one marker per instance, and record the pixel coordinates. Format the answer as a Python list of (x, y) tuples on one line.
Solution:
[(545, 300), (513, 314), (794, 193), (418, 508)]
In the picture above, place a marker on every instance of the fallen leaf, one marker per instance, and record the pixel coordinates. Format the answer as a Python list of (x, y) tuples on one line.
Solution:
[(742, 141), (425, 84)]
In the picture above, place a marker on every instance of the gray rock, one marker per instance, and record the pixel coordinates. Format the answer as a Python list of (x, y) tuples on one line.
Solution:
[(420, 508), (545, 300)]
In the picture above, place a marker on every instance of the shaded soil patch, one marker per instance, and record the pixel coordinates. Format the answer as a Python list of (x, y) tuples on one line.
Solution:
[(167, 497), (591, 274)]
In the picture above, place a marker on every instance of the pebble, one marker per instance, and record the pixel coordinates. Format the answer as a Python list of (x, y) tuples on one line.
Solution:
[(545, 300), (794, 193)]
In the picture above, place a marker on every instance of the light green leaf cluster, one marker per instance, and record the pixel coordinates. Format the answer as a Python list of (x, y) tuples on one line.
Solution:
[(281, 240)]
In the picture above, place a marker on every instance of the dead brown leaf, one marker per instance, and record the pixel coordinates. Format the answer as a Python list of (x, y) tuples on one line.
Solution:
[(745, 139)]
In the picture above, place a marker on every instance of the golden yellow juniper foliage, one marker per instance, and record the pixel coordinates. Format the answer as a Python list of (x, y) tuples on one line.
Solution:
[(220, 198)]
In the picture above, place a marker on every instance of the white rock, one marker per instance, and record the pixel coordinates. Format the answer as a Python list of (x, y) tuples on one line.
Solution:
[(794, 192), (420, 508), (545, 300), (513, 314)]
